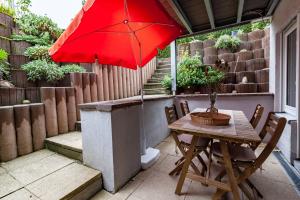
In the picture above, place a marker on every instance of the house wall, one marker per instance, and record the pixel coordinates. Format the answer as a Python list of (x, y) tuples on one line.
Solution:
[(285, 13)]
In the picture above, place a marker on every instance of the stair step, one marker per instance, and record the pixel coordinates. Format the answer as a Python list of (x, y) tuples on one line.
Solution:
[(164, 70), (165, 66), (47, 175), (155, 91), (153, 85), (159, 75), (69, 144)]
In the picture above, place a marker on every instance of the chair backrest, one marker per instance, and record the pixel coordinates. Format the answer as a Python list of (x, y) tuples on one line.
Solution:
[(259, 110), (184, 108), (171, 114), (274, 127)]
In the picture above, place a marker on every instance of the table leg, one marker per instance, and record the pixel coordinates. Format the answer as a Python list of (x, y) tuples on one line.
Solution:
[(188, 159), (229, 170)]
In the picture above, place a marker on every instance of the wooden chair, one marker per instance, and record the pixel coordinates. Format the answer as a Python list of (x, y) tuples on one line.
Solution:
[(182, 142), (259, 110), (184, 108), (245, 158)]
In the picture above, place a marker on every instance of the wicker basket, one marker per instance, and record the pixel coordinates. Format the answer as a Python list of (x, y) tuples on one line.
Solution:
[(210, 118)]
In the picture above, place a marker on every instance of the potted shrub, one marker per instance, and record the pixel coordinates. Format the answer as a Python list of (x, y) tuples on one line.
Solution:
[(227, 43)]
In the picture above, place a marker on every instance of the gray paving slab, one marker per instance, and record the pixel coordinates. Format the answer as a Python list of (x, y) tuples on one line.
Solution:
[(8, 184)]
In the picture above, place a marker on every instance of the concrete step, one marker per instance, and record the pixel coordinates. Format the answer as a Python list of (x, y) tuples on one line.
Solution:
[(153, 85), (159, 75), (155, 80), (46, 175), (69, 144), (155, 91), (164, 66), (164, 70)]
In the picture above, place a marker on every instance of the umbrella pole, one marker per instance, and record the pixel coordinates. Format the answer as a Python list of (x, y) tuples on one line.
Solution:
[(149, 155)]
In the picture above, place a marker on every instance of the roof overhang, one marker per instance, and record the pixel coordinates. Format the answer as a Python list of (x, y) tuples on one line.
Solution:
[(200, 16)]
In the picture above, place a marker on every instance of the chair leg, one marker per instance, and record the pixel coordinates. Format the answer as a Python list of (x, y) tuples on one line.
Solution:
[(246, 191), (179, 161), (177, 169), (252, 186), (204, 167)]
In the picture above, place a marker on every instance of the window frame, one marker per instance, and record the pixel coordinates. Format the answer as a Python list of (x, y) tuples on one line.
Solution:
[(286, 108)]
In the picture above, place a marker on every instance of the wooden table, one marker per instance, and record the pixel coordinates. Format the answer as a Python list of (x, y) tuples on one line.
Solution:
[(238, 131)]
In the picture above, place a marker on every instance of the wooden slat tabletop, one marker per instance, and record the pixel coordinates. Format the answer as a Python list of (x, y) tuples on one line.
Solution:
[(239, 130)]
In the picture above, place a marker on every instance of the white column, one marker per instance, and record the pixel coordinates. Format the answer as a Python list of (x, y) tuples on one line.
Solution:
[(173, 66)]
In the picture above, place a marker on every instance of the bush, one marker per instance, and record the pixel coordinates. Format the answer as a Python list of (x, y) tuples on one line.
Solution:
[(72, 68), (38, 52), (37, 29), (165, 53), (43, 70), (260, 25), (192, 73), (4, 65), (227, 42), (7, 10), (167, 82)]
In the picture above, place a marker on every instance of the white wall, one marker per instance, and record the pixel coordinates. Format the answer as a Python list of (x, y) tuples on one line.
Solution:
[(285, 12)]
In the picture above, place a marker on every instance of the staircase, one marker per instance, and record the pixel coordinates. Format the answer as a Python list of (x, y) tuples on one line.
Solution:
[(153, 85)]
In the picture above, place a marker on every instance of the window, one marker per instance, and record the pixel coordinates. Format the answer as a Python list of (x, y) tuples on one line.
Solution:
[(289, 65)]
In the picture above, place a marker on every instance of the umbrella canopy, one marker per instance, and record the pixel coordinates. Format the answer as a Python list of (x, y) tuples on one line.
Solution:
[(117, 32)]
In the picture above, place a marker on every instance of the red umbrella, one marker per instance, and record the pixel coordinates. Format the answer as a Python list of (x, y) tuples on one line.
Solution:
[(117, 32), (124, 33)]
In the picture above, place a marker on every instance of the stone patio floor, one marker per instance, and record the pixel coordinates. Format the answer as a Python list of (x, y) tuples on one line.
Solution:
[(156, 184)]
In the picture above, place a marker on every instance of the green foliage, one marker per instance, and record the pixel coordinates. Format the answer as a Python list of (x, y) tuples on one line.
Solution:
[(37, 29), (43, 70), (4, 66), (167, 82), (165, 53), (192, 73), (7, 10), (23, 7), (38, 52), (42, 40), (3, 55), (260, 25), (72, 68), (227, 42)]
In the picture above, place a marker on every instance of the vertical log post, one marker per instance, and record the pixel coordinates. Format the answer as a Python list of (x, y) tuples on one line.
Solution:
[(111, 83), (93, 85), (48, 98), (116, 82), (124, 81), (61, 108), (99, 82), (38, 125), (76, 82), (120, 77), (8, 140), (23, 129), (86, 87), (105, 83), (71, 108)]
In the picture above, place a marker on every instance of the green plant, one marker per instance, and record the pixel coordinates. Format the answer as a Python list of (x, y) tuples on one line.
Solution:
[(260, 25), (72, 68), (213, 76), (4, 65), (7, 10), (227, 42), (167, 82), (38, 52), (43, 70), (190, 72), (165, 53), (37, 29), (23, 7)]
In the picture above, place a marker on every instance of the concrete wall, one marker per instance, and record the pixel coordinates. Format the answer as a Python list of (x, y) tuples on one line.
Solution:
[(155, 122), (246, 103)]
